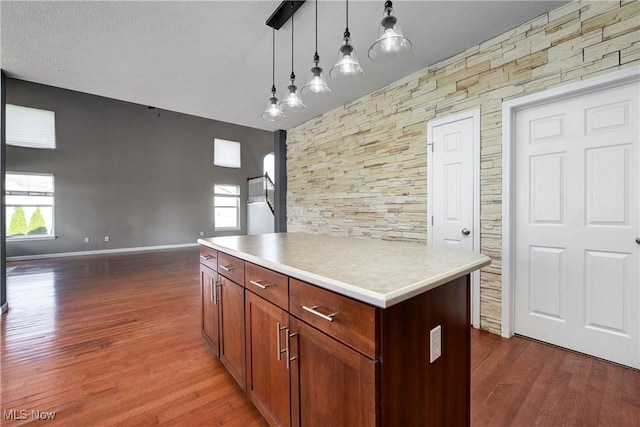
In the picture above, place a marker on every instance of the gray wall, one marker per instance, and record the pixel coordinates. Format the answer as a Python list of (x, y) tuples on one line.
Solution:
[(3, 264), (122, 171)]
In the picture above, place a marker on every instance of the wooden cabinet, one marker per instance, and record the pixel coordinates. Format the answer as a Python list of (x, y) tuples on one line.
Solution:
[(267, 367), (223, 309), (231, 308), (231, 267), (331, 384), (308, 357), (208, 294), (272, 286), (209, 257), (347, 320)]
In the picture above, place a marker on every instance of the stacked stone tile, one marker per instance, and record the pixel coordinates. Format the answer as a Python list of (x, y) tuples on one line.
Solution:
[(361, 169)]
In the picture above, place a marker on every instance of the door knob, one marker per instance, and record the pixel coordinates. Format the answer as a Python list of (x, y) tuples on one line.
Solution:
[(638, 240), (466, 231)]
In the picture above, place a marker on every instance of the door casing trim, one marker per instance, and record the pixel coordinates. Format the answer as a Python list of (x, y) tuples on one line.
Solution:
[(509, 110), (475, 115)]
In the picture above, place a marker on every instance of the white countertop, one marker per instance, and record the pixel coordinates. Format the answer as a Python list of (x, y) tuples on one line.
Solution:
[(377, 272)]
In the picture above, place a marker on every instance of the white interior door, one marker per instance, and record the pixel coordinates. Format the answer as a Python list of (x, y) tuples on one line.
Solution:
[(452, 164), (453, 187), (577, 217)]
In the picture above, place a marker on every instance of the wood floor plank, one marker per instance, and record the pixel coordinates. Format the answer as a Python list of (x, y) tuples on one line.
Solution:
[(109, 340), (115, 340)]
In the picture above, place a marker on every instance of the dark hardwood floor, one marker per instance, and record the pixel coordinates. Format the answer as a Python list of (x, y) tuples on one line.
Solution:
[(115, 340)]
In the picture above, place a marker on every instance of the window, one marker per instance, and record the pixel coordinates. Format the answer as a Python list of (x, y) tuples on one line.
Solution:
[(226, 153), (30, 127), (269, 166), (29, 204), (226, 207)]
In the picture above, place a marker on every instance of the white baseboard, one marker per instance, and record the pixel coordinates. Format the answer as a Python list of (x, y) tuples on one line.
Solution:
[(5, 307), (99, 252)]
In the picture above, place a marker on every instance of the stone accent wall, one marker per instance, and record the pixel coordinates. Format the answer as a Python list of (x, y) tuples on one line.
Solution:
[(361, 169)]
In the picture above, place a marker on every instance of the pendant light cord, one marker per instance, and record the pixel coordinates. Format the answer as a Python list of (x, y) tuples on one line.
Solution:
[(273, 60), (346, 30), (316, 28), (293, 76), (347, 15)]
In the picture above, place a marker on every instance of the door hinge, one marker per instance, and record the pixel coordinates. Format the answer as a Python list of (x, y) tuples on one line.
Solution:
[(431, 219)]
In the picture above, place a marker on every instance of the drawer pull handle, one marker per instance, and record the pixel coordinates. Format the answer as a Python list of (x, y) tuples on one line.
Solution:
[(214, 292), (260, 285), (312, 310), (288, 348), (278, 345), (206, 257), (279, 330), (226, 268)]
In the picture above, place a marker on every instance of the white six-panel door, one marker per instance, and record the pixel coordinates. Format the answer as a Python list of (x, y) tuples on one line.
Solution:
[(577, 217), (453, 183)]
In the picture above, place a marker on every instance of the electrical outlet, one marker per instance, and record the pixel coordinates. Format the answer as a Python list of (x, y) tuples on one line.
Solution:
[(86, 240), (435, 343), (106, 238), (201, 233)]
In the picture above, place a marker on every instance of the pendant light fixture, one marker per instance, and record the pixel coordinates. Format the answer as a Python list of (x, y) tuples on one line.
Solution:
[(391, 44), (316, 84), (347, 67), (293, 102), (273, 112)]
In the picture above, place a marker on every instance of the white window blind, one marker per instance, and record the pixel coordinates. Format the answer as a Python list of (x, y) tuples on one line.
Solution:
[(30, 127), (226, 153)]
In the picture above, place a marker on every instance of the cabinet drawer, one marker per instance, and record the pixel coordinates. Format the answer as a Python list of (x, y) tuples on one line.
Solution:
[(347, 320), (209, 257), (272, 286), (231, 267)]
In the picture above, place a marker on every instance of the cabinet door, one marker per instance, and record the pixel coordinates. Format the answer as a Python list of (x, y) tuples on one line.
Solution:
[(208, 283), (231, 307), (267, 375), (331, 384)]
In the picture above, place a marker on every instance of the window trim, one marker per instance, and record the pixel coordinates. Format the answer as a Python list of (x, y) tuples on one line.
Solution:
[(33, 237), (237, 208)]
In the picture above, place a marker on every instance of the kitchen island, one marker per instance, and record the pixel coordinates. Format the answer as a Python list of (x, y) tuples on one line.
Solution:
[(324, 330)]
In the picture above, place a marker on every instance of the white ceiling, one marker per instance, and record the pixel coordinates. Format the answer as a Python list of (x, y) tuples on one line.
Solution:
[(213, 58)]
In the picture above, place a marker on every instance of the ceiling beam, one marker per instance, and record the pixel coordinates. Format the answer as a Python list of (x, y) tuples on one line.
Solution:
[(282, 13)]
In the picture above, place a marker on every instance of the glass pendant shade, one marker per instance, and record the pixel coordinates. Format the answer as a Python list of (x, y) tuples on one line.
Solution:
[(293, 102), (273, 112), (316, 83), (391, 44), (347, 67)]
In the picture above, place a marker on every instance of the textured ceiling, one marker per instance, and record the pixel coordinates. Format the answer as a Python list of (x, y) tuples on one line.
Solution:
[(213, 58)]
